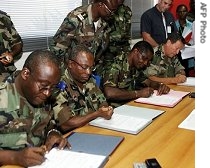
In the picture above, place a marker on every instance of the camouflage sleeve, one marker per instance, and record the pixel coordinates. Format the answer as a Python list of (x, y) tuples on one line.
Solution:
[(178, 66), (65, 36), (152, 70), (11, 33), (121, 29), (62, 111), (96, 94), (111, 76)]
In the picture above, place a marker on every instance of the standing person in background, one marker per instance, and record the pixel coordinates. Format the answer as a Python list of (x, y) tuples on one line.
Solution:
[(120, 34), (191, 13), (85, 25), (26, 117), (10, 45), (81, 100), (185, 29), (157, 23), (165, 66)]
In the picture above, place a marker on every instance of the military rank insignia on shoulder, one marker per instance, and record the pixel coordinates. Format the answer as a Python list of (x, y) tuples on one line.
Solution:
[(2, 12), (82, 16)]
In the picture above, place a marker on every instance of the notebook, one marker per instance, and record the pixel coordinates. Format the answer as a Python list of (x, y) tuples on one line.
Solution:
[(168, 100), (128, 119)]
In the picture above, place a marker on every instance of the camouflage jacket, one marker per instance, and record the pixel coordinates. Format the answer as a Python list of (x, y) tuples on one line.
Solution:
[(8, 38), (20, 123), (76, 102), (163, 66), (78, 28), (120, 33), (122, 76)]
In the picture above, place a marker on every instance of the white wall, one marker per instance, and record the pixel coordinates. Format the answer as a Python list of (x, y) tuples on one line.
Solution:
[(21, 61)]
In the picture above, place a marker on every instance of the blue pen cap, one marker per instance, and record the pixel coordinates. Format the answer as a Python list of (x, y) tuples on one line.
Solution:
[(62, 86), (97, 78)]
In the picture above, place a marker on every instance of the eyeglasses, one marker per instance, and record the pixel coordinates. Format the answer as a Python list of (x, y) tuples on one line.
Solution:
[(43, 88), (111, 12), (142, 56), (84, 67)]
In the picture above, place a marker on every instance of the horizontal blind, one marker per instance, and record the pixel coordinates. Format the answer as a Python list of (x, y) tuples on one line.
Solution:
[(37, 21)]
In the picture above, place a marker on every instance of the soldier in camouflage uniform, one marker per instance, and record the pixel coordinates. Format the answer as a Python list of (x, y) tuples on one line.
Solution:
[(84, 25), (81, 100), (165, 66), (10, 45), (125, 80), (25, 117), (120, 34)]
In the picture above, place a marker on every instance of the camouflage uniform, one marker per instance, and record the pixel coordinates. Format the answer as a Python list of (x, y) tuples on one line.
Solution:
[(120, 75), (78, 28), (163, 66), (120, 34), (76, 102), (20, 123), (8, 38)]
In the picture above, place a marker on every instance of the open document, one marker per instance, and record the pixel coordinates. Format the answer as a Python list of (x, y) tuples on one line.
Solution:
[(189, 122), (128, 119), (168, 100), (67, 158)]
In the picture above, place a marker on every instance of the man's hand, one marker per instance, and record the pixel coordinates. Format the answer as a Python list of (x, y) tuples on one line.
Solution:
[(180, 78), (145, 92), (30, 156), (6, 58), (105, 112), (163, 89), (54, 138)]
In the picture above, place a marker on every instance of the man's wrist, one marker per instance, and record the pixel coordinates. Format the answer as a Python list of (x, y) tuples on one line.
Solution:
[(53, 130)]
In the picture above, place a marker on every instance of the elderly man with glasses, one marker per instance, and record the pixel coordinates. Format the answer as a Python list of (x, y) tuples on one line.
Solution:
[(80, 99)]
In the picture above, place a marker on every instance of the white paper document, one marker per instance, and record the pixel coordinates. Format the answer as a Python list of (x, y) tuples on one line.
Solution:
[(188, 52), (67, 158), (189, 82), (128, 119), (168, 100), (189, 122)]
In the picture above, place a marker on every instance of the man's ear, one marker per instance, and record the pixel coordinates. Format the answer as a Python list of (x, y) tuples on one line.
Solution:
[(25, 73)]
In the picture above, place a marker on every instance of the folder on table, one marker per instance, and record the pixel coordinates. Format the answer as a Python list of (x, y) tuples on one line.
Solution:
[(128, 119), (169, 100), (94, 143), (87, 150)]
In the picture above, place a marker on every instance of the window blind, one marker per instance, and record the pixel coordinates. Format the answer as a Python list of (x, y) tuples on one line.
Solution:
[(37, 21)]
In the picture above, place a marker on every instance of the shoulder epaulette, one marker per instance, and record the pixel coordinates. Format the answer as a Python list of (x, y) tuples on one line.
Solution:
[(82, 16), (2, 12)]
